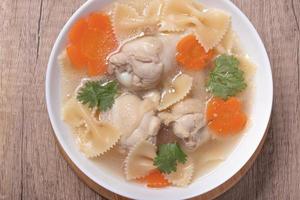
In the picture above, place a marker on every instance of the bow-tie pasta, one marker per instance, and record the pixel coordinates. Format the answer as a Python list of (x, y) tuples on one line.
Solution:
[(212, 27), (138, 5), (184, 174), (209, 25), (139, 161), (129, 21), (176, 91), (93, 137)]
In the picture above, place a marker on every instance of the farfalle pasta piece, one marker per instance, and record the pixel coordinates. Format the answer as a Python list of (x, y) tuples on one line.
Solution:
[(139, 161), (153, 9), (183, 175), (178, 14), (182, 7), (93, 137), (129, 20), (138, 5), (230, 44), (178, 90), (176, 23), (208, 25), (126, 21), (212, 27), (227, 43)]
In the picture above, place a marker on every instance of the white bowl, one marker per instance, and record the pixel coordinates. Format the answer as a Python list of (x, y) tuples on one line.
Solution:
[(261, 110)]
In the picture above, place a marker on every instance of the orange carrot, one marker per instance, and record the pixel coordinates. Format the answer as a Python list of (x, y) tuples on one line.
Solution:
[(155, 179), (91, 41), (77, 59), (100, 21), (77, 31), (95, 67), (191, 55), (225, 117)]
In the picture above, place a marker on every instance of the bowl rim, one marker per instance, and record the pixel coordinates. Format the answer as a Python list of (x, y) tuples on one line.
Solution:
[(56, 129)]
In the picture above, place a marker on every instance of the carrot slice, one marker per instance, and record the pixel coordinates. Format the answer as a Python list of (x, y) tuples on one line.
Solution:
[(155, 179), (225, 117), (191, 55), (95, 67), (99, 21), (77, 31), (77, 59), (91, 41)]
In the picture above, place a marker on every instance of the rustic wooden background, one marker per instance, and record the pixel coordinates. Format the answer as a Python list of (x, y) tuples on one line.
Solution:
[(31, 166)]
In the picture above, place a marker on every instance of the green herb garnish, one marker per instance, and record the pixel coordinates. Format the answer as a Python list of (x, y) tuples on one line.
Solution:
[(167, 157), (226, 79), (98, 94)]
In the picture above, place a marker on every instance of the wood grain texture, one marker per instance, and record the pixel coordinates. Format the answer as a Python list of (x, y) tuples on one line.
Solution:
[(31, 166)]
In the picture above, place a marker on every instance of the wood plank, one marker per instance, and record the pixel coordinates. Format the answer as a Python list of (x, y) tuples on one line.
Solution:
[(11, 114)]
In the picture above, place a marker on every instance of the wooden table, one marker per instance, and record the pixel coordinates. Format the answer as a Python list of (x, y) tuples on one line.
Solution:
[(31, 166)]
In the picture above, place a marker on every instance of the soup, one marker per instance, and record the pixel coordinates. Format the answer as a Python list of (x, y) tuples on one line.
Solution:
[(160, 86)]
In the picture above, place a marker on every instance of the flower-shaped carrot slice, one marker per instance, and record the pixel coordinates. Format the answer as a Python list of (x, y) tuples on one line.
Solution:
[(225, 117), (91, 40), (191, 55)]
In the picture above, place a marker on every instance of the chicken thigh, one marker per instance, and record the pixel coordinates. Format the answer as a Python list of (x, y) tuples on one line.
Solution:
[(141, 63), (188, 123), (136, 120)]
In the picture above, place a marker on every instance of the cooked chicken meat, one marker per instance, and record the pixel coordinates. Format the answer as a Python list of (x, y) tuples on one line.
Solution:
[(141, 63), (190, 128), (148, 129), (135, 118), (188, 125), (187, 121)]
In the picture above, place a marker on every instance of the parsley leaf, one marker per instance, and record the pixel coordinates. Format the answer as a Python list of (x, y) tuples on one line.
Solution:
[(167, 157), (98, 94), (226, 79)]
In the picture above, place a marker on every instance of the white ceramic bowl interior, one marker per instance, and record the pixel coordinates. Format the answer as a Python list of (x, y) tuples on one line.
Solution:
[(260, 114)]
